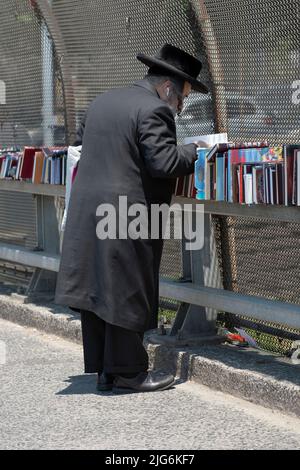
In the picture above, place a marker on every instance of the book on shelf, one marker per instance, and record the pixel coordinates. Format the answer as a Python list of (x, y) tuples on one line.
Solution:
[(9, 163), (297, 172), (200, 173), (185, 186), (290, 173), (221, 147), (38, 167), (54, 166), (28, 163)]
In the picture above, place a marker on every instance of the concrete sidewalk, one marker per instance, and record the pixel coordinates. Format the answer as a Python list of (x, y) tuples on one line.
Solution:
[(46, 402), (257, 376)]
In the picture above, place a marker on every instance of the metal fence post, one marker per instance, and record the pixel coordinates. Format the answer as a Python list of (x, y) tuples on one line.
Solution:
[(44, 281), (192, 320)]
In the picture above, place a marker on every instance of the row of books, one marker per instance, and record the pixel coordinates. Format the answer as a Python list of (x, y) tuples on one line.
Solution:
[(35, 165), (249, 173), (193, 185), (9, 149), (185, 186)]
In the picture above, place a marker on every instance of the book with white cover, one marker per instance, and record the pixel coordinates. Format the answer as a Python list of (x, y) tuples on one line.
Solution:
[(248, 188), (208, 140)]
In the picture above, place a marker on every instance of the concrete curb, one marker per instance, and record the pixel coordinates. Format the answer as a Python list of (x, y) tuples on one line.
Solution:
[(50, 318), (257, 376), (253, 375)]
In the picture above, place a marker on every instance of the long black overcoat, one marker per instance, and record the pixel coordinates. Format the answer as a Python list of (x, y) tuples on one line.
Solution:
[(129, 148)]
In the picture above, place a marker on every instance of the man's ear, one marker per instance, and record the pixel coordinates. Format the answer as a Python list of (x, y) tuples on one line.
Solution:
[(162, 89), (167, 84)]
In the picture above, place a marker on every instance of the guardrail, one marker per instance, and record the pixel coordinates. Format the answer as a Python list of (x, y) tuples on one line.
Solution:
[(200, 302)]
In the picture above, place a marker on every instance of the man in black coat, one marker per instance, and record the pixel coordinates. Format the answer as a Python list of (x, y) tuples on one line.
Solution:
[(129, 156)]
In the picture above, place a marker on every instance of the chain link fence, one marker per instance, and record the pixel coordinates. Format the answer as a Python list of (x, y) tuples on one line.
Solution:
[(56, 56)]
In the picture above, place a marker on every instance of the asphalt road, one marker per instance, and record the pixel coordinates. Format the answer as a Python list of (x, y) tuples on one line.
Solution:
[(46, 402)]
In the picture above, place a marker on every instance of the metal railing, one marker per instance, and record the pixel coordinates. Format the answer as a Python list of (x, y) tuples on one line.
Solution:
[(199, 291)]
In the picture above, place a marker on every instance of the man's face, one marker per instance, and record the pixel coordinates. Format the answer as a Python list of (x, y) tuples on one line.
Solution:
[(187, 88), (173, 98)]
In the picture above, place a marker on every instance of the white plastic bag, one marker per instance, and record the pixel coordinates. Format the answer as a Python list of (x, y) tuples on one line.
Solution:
[(73, 158)]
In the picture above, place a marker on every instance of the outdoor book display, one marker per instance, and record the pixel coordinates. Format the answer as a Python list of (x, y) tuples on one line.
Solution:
[(34, 165), (245, 173), (230, 179)]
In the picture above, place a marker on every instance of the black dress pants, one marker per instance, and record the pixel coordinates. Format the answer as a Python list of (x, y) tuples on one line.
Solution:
[(110, 348)]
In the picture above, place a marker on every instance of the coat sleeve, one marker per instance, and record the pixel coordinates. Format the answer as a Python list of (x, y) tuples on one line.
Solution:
[(158, 146)]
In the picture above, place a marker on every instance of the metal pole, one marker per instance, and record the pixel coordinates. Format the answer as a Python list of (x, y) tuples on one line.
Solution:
[(44, 11), (48, 85), (215, 66)]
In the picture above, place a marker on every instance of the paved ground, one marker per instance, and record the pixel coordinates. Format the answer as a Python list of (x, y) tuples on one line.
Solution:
[(47, 403)]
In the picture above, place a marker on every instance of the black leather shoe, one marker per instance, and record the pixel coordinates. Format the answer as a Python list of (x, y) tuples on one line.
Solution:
[(105, 382), (144, 382)]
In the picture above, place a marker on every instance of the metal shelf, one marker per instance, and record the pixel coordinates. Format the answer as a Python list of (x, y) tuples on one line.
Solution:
[(262, 211), (194, 293), (25, 187), (197, 293)]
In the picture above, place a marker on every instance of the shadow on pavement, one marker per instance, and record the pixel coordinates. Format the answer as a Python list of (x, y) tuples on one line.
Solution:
[(86, 385), (82, 385)]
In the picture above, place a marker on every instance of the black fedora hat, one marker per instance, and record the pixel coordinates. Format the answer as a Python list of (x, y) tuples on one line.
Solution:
[(176, 62)]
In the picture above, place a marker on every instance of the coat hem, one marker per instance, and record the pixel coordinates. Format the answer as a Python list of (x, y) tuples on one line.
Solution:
[(79, 304)]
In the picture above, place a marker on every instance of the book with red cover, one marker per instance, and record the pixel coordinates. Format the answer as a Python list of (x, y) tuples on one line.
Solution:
[(28, 162), (1, 160), (179, 186), (259, 185), (235, 183), (241, 183), (234, 156)]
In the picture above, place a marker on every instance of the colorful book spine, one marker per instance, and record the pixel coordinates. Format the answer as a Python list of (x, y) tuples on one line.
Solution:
[(220, 176), (200, 169)]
